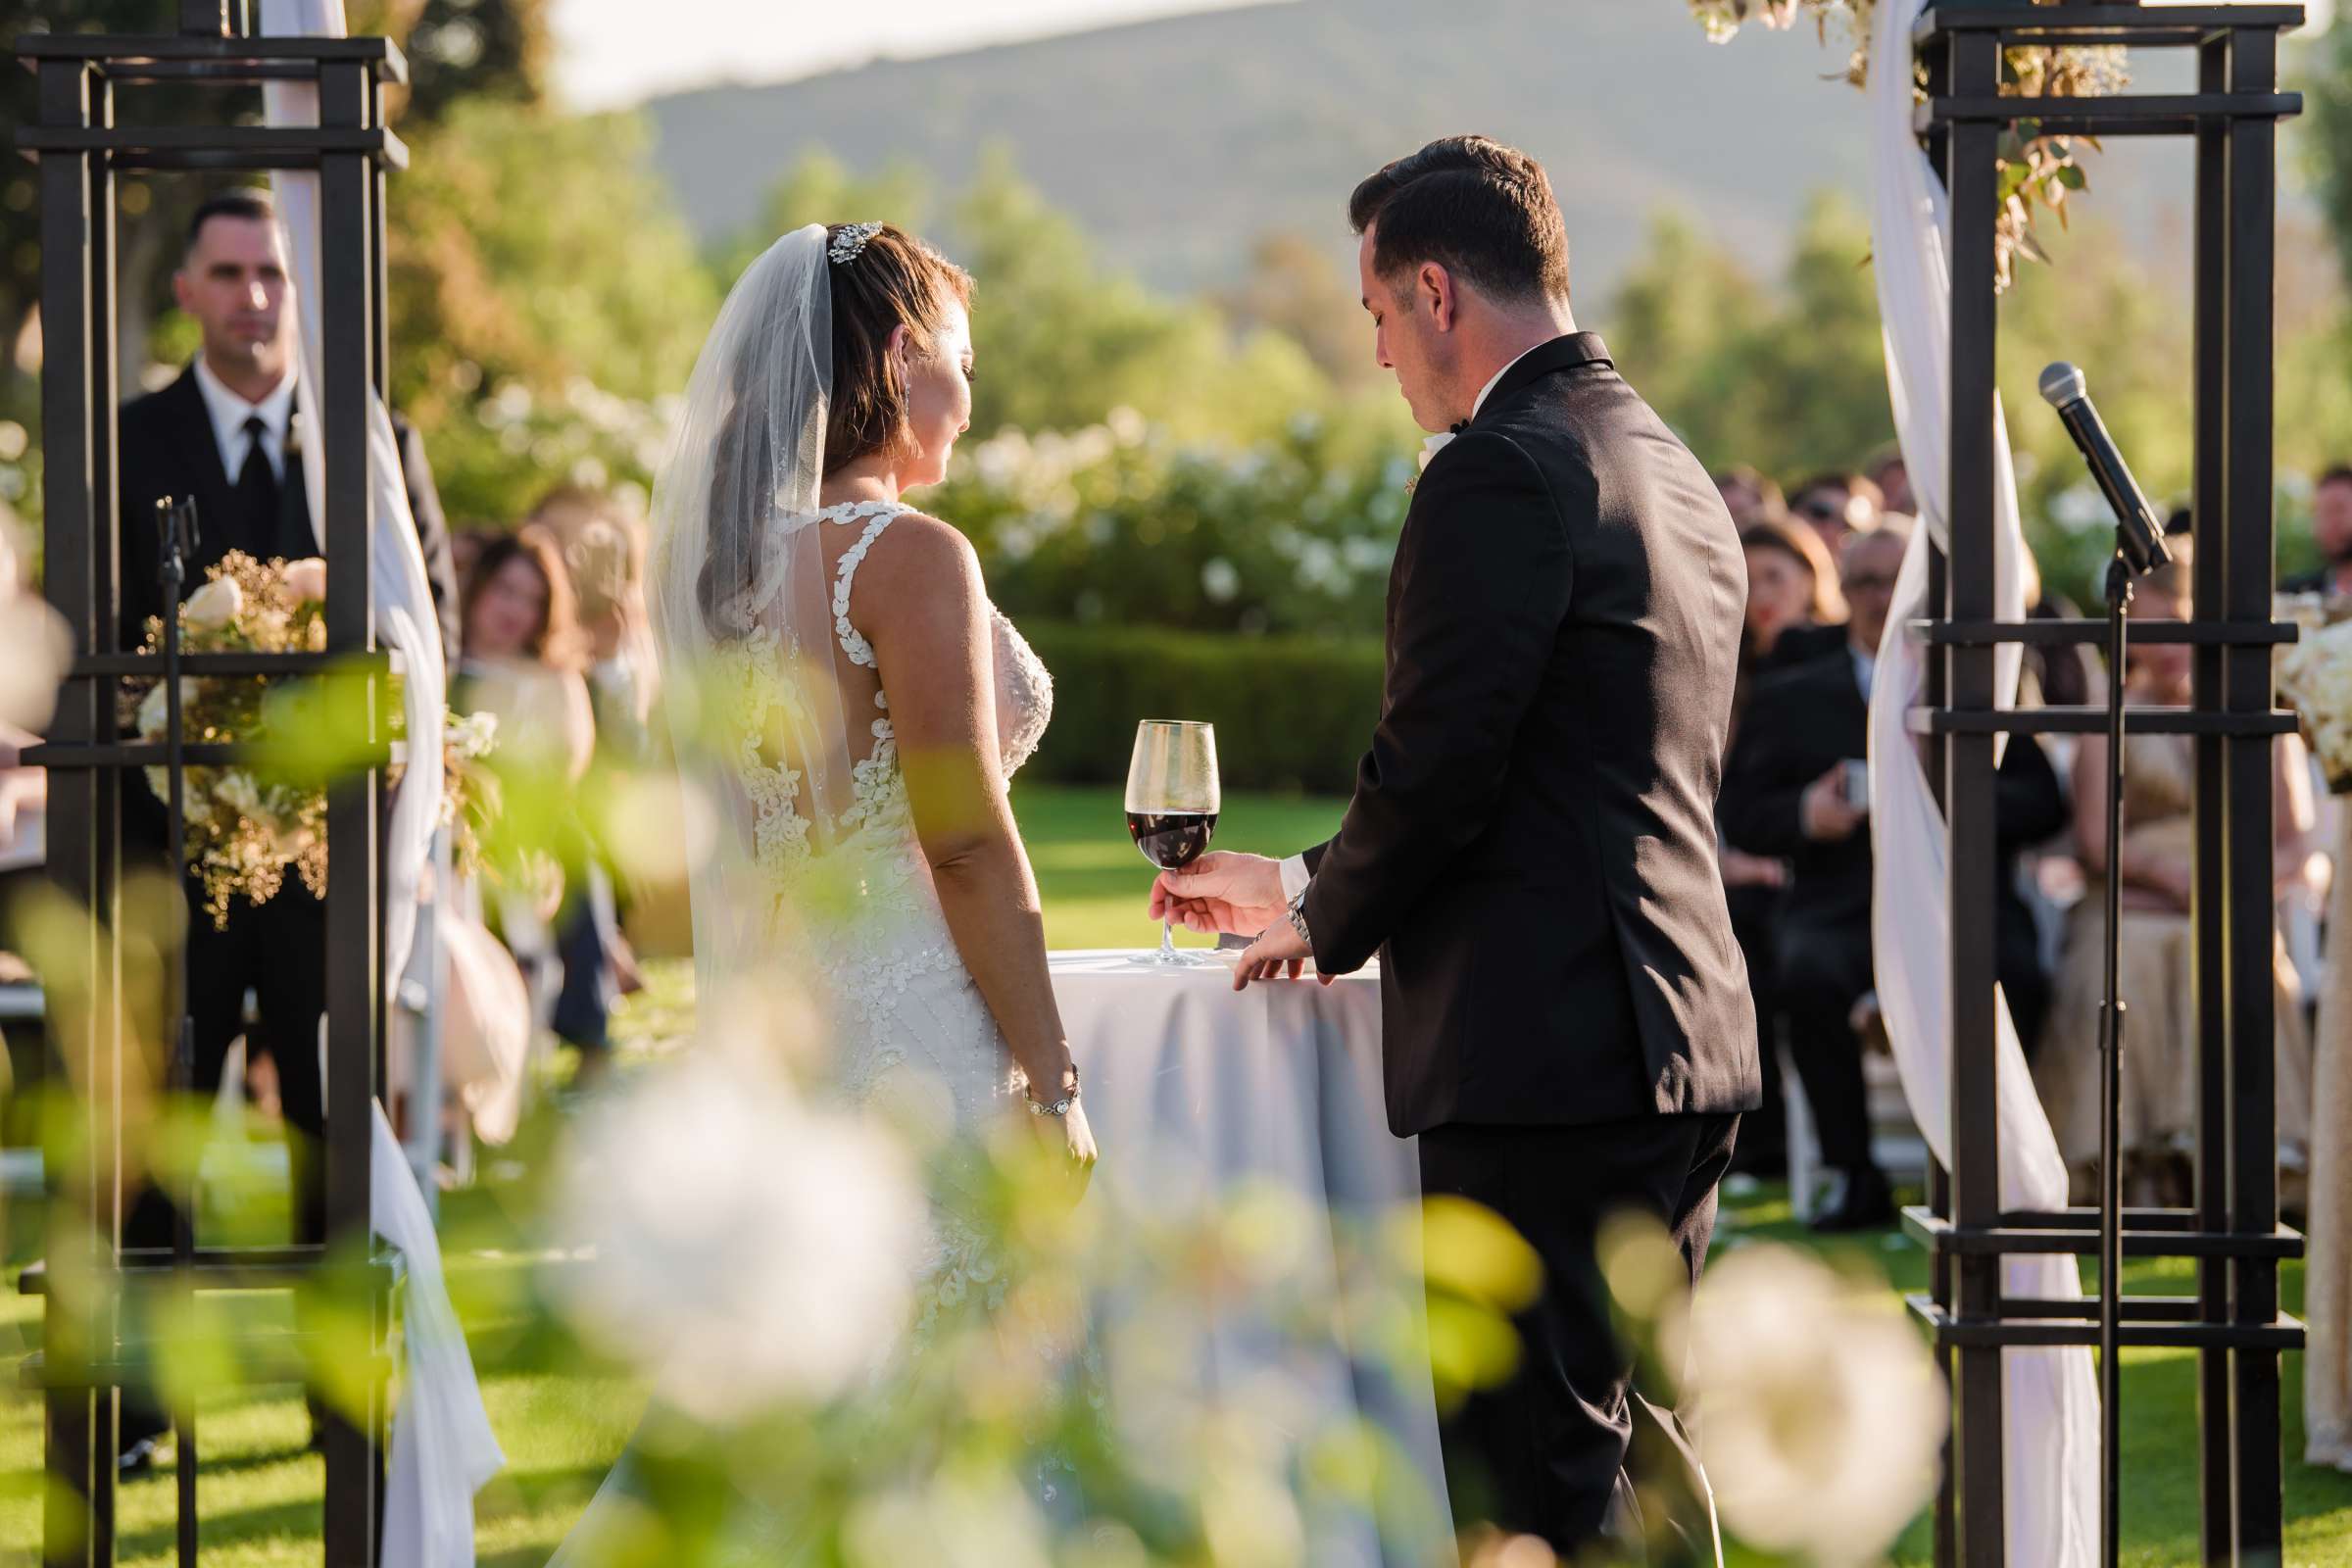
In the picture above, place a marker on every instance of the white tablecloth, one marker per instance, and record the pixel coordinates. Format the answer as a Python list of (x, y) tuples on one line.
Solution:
[(1194, 1092)]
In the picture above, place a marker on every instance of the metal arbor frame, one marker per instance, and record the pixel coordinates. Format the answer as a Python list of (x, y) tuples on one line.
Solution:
[(81, 145), (2233, 1231)]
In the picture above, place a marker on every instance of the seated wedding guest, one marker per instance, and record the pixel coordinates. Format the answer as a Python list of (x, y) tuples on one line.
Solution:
[(520, 658), (2063, 675), (1796, 610), (1750, 496), (1792, 603), (464, 549), (604, 547), (521, 663), (1836, 504), (2332, 531), (1790, 790), (1893, 478), (2154, 859), (229, 433)]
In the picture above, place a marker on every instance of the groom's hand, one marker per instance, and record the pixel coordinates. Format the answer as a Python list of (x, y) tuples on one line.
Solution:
[(1222, 892), (1278, 953)]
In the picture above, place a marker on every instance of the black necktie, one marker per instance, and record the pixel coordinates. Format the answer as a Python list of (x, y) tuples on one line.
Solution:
[(256, 490), (1458, 427)]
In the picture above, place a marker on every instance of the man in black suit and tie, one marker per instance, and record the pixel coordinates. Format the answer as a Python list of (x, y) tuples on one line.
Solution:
[(1531, 845), (227, 432), (2332, 531), (1789, 793)]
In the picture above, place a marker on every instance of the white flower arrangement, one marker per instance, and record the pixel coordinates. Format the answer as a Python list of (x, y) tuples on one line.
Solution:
[(245, 828), (2315, 677)]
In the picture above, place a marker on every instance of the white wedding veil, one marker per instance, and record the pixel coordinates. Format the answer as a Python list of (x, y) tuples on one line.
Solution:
[(741, 603)]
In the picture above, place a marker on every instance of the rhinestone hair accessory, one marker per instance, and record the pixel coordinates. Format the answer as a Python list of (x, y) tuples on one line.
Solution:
[(849, 242)]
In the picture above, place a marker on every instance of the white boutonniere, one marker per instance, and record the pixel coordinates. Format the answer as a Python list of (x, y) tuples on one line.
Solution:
[(1431, 446)]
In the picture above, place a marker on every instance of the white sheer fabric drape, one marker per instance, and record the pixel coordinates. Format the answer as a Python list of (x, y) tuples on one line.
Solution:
[(2049, 1399), (442, 1447)]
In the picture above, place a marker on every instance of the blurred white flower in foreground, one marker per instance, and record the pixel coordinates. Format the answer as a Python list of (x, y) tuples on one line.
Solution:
[(1821, 1414), (34, 648), (749, 1250)]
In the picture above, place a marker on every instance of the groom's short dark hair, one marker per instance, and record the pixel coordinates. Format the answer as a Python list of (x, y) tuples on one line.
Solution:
[(1482, 211)]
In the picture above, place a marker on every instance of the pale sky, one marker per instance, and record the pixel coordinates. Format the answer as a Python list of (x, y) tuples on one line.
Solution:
[(616, 52)]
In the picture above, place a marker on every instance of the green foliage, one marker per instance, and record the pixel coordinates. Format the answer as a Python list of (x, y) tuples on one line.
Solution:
[(545, 296), (1788, 378), (459, 49), (820, 190), (2328, 108), (1059, 339), (1120, 523), (1292, 712)]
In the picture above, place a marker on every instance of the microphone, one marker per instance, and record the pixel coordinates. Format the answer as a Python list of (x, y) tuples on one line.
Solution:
[(2138, 536)]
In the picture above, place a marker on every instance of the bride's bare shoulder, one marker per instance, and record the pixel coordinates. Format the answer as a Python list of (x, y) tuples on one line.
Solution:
[(918, 558)]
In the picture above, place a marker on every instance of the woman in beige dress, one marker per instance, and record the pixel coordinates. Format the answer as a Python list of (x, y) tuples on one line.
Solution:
[(2155, 857)]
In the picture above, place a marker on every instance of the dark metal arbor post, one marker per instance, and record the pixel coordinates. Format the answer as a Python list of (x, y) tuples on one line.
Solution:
[(2232, 1232), (80, 145)]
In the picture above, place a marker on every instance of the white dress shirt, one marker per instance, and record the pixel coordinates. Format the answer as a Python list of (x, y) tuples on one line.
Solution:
[(229, 413), (1435, 444), (1295, 876)]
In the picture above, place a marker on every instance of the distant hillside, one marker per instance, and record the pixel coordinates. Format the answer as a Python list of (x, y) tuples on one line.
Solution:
[(1176, 142)]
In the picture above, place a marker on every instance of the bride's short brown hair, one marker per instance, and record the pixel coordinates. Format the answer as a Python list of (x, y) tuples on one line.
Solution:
[(893, 280)]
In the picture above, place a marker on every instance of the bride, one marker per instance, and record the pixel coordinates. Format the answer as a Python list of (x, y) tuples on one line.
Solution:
[(837, 631), (854, 705)]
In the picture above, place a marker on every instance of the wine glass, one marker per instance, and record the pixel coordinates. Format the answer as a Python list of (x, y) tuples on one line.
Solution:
[(1172, 802)]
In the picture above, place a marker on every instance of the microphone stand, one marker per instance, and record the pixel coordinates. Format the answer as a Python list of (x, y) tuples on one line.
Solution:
[(177, 520), (2111, 1051)]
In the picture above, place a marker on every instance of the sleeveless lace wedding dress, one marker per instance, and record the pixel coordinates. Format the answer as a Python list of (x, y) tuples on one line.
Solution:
[(888, 980), (854, 895)]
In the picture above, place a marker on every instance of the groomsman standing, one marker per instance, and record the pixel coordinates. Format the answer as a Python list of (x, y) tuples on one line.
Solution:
[(229, 432)]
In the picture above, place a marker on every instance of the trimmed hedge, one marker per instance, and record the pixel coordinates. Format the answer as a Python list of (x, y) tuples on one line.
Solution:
[(1292, 712)]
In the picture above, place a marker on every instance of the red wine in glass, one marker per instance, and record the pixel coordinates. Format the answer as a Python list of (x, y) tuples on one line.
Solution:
[(1172, 803), (1171, 840)]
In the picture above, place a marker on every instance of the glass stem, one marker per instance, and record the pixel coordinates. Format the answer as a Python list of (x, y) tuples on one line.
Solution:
[(1167, 942)]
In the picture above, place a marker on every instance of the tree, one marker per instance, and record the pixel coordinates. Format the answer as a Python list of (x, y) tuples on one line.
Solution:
[(820, 190), (537, 264), (1062, 340), (2328, 105), (1789, 378), (1294, 288)]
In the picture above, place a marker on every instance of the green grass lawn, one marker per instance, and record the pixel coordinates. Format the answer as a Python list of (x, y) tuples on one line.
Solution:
[(560, 1431)]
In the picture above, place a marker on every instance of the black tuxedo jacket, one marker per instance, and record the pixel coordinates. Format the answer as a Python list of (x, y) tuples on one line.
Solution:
[(1531, 845), (1801, 722), (166, 448)]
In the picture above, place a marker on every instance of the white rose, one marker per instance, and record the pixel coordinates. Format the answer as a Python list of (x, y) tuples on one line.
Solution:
[(153, 714), (215, 604), (307, 578)]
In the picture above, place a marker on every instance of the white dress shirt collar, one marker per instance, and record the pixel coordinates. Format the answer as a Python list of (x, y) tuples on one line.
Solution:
[(1435, 444), (229, 411)]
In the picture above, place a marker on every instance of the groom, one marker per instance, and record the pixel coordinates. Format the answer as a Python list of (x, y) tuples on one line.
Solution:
[(1531, 847)]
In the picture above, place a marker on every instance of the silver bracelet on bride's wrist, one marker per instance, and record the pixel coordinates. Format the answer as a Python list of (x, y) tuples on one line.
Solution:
[(1056, 1108)]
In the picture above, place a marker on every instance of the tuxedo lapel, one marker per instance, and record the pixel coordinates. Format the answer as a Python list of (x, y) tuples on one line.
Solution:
[(191, 432), (1560, 354)]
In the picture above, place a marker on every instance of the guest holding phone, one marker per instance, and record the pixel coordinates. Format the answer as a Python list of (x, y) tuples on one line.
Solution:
[(1796, 788)]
